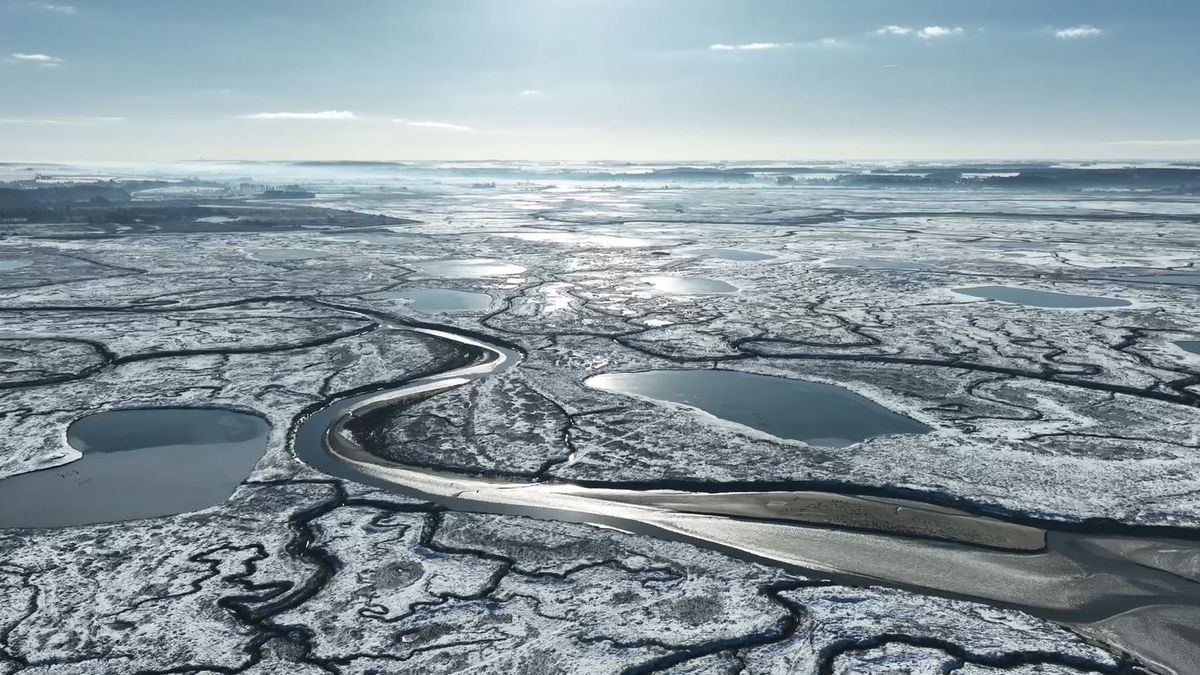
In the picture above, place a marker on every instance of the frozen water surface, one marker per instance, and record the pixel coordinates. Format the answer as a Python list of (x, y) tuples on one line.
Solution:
[(138, 464), (816, 413)]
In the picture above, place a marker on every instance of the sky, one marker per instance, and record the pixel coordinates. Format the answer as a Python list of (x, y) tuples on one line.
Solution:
[(135, 80)]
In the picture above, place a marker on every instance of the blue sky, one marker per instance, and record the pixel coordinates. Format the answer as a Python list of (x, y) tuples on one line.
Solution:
[(598, 79)]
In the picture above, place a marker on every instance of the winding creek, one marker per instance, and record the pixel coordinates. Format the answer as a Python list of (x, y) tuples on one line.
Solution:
[(1137, 589)]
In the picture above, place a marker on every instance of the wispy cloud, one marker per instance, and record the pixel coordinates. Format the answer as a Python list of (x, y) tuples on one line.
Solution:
[(822, 43), (35, 59), (49, 7), (321, 115), (934, 32), (447, 126), (926, 33), (748, 47), (1077, 32), (829, 43), (531, 92)]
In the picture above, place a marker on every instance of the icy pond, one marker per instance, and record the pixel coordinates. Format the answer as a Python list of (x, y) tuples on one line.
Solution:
[(689, 285), (1192, 346), (816, 413), (136, 464), (1032, 298), (467, 268), (435, 300)]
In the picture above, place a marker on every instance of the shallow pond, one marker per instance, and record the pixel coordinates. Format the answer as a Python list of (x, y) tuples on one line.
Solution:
[(138, 464), (467, 268), (689, 285), (1192, 346), (9, 265), (1032, 298), (434, 300), (816, 413)]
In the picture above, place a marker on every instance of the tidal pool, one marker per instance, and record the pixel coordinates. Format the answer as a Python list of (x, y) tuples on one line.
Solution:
[(1032, 298), (436, 300), (816, 413), (467, 268), (740, 255), (689, 285), (138, 463), (286, 254)]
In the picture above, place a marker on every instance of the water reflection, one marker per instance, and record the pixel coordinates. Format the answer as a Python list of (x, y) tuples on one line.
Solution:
[(1033, 298), (435, 300), (138, 464), (818, 414), (689, 285), (467, 268)]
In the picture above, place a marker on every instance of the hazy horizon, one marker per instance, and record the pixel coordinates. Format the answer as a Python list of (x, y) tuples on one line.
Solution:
[(539, 80)]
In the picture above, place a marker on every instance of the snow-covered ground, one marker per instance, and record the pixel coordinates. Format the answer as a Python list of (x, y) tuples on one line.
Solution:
[(1065, 414)]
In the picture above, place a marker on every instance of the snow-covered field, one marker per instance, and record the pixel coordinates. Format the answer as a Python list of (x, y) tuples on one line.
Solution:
[(1045, 413)]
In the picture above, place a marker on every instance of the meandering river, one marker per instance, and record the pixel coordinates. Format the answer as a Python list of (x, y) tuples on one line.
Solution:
[(1135, 589)]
